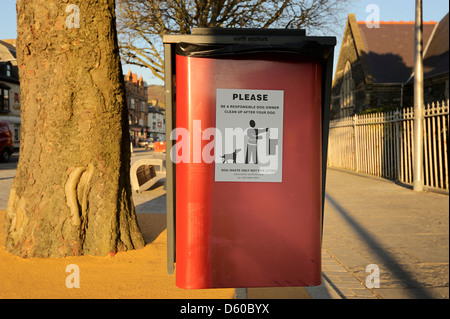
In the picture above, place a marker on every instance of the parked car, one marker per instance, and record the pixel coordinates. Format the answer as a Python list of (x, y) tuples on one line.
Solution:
[(6, 142), (150, 145), (142, 142)]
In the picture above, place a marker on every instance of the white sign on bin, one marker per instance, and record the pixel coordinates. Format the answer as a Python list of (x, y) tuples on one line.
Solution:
[(250, 144)]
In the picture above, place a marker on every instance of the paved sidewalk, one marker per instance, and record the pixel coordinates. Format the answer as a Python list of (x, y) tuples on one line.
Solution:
[(371, 221), (338, 282)]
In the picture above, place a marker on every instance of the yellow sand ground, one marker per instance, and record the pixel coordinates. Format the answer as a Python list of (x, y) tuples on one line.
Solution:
[(135, 274)]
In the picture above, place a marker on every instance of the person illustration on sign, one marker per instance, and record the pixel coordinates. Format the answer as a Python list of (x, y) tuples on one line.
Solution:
[(253, 134)]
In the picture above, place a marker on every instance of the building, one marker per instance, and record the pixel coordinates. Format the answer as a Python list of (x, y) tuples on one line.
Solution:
[(10, 88), (157, 123), (136, 97), (435, 64), (375, 66)]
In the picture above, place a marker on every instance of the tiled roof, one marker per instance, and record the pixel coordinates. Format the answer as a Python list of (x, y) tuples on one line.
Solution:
[(436, 55), (389, 49)]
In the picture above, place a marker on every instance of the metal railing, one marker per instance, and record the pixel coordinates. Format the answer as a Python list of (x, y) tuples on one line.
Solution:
[(382, 144)]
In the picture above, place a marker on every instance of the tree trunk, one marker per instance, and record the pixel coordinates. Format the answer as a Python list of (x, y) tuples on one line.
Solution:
[(71, 194)]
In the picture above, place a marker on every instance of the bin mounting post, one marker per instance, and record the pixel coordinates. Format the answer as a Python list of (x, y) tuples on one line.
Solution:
[(170, 169)]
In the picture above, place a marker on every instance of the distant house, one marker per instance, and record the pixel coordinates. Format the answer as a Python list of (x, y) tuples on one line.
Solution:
[(136, 97), (375, 66), (156, 123), (10, 88)]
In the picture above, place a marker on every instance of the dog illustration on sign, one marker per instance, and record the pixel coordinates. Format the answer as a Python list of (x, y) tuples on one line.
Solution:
[(231, 156)]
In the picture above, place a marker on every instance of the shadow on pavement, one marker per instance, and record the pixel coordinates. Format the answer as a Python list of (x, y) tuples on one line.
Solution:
[(388, 259)]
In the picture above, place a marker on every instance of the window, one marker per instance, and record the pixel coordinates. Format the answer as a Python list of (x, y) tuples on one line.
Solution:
[(4, 99), (8, 70), (347, 92), (132, 104)]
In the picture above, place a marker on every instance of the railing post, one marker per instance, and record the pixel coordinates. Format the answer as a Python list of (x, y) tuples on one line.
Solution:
[(355, 142), (398, 144)]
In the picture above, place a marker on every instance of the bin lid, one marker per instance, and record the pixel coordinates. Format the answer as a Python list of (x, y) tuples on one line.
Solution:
[(248, 37), (306, 48)]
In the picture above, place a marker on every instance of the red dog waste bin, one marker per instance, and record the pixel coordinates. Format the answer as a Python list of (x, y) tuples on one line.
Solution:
[(249, 162)]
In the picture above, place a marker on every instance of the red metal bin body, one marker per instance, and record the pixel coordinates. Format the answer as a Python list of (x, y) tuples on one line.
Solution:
[(250, 234)]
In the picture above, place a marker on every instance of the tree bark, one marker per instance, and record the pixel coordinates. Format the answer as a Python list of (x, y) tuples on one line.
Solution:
[(71, 194)]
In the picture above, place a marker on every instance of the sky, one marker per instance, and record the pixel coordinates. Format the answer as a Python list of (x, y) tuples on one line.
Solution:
[(395, 10)]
